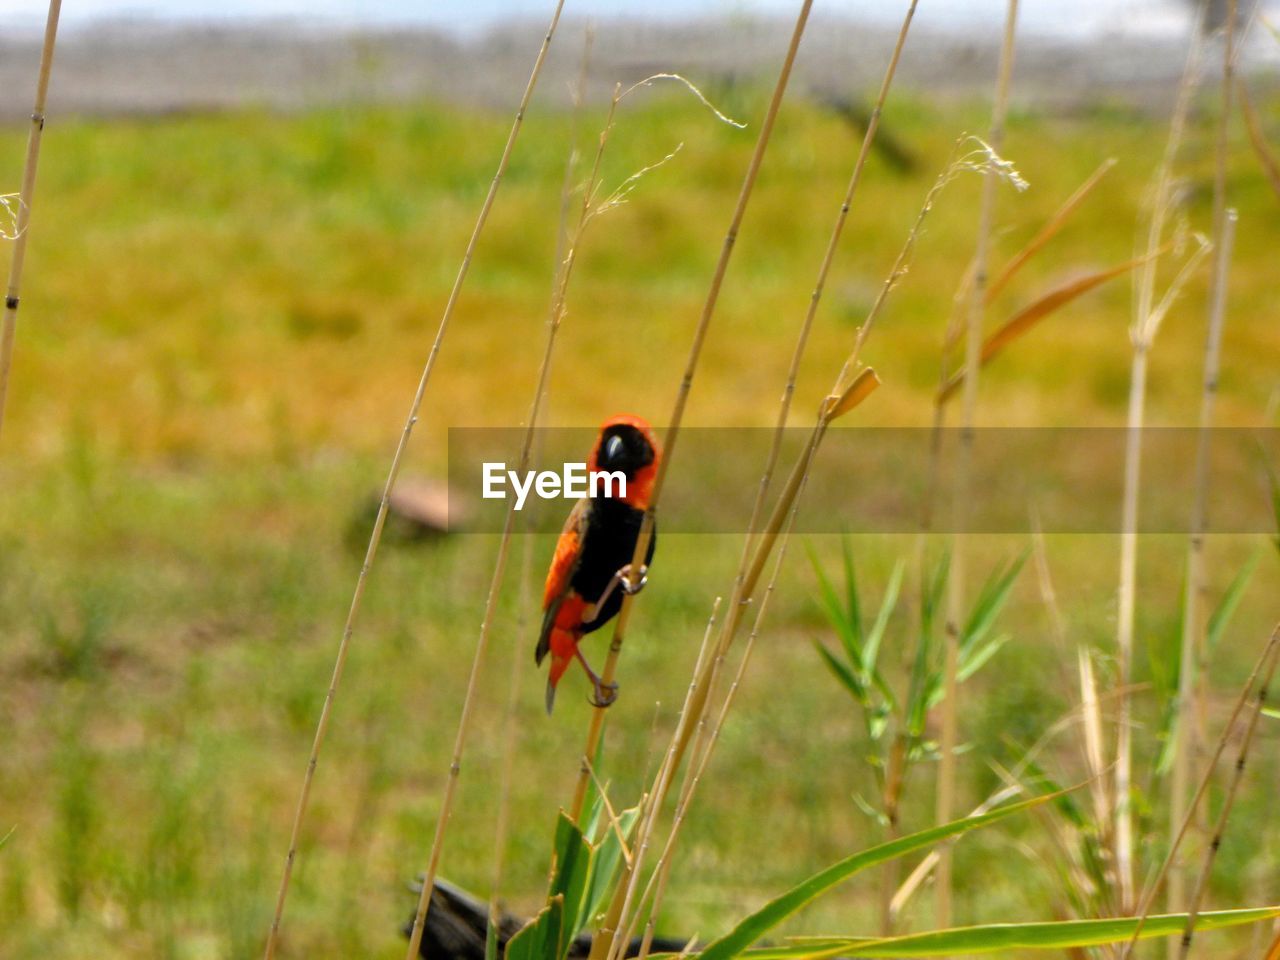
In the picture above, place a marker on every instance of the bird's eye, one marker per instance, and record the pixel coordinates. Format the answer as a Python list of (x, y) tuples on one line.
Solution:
[(613, 450)]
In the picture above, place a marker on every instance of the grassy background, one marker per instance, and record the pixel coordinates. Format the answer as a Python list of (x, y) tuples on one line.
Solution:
[(224, 321)]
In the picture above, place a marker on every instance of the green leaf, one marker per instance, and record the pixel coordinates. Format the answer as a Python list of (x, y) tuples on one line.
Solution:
[(1226, 607), (538, 939), (569, 883), (604, 866), (991, 599), (775, 911), (491, 940), (845, 629), (871, 648), (975, 660), (851, 591), (843, 674), (996, 937)]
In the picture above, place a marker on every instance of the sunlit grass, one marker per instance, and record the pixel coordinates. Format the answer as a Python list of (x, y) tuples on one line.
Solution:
[(225, 319)]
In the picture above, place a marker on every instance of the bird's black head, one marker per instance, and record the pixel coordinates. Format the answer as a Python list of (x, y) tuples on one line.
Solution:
[(627, 445), (624, 447)]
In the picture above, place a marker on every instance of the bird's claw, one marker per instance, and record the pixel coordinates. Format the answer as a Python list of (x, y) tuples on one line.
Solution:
[(604, 694), (628, 587)]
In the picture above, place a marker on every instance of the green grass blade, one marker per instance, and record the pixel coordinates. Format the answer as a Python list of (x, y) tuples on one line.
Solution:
[(842, 673), (871, 648), (846, 630), (851, 591), (573, 867), (775, 911), (604, 866), (998, 937), (537, 939), (1226, 607), (991, 600), (977, 658)]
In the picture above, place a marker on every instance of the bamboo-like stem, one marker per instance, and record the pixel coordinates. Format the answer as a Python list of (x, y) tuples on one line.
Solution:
[(1147, 317), (956, 576), (698, 765), (26, 197), (397, 459), (626, 886), (557, 311), (1263, 667), (1193, 658), (682, 396)]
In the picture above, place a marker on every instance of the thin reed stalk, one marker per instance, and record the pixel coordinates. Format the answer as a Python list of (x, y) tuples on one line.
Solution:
[(524, 618), (682, 396), (1237, 775), (852, 385), (698, 766), (397, 459), (956, 576), (802, 338), (1197, 716), (1146, 321), (1262, 667), (1193, 659), (555, 317), (26, 197)]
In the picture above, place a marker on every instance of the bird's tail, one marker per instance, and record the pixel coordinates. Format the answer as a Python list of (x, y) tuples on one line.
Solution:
[(562, 645)]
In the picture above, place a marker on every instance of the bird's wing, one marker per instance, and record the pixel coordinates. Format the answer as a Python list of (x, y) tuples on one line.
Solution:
[(563, 566)]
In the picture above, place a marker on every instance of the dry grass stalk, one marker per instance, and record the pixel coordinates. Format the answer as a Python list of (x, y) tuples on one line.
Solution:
[(1262, 668), (682, 395), (955, 581), (698, 766), (590, 207), (1266, 156), (1193, 668), (1026, 318), (1237, 775), (815, 298), (380, 521), (26, 196), (1050, 230), (852, 385), (626, 887), (1146, 322), (524, 618)]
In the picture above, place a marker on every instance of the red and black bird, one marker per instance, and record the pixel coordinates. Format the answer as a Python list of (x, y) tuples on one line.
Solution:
[(591, 568)]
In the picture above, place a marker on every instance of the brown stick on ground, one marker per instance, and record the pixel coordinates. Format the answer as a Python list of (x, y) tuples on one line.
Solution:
[(26, 197), (375, 538)]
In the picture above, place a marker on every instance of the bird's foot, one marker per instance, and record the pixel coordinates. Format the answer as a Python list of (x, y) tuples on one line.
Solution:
[(603, 694), (628, 586)]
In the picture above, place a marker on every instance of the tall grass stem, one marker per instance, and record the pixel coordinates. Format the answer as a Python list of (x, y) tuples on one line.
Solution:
[(26, 197), (956, 579), (397, 459)]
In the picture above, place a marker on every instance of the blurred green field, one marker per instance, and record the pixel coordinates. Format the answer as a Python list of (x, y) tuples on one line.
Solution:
[(223, 323)]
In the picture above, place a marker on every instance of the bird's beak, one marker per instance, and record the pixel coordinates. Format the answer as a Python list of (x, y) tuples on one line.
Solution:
[(551, 696)]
